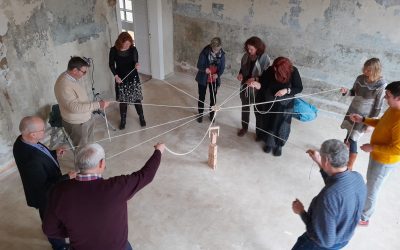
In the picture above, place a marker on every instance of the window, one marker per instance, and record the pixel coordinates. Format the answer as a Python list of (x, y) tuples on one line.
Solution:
[(126, 10)]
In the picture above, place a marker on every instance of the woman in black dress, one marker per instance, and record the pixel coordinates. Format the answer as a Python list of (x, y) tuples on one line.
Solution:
[(278, 83), (123, 62)]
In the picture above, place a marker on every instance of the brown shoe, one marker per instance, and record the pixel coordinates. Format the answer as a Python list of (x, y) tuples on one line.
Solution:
[(242, 132)]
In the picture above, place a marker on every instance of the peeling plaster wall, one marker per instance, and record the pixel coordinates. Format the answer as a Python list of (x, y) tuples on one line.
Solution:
[(328, 40), (168, 36), (37, 38)]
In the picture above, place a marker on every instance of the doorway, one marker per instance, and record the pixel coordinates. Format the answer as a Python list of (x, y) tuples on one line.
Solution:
[(134, 19)]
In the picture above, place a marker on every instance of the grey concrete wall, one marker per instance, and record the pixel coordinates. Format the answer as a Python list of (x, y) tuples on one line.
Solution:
[(37, 38), (328, 40), (168, 24)]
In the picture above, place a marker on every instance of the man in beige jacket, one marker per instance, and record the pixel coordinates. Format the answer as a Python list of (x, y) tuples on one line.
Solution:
[(75, 106)]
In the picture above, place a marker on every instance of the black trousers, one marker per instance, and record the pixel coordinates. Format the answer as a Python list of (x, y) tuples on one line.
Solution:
[(202, 95)]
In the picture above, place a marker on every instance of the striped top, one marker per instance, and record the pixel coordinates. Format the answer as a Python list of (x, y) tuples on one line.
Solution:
[(334, 213)]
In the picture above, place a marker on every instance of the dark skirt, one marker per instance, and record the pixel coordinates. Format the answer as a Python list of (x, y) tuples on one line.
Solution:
[(276, 124), (130, 90)]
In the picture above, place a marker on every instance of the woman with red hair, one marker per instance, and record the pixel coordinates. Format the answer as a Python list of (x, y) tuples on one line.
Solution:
[(123, 63), (277, 84)]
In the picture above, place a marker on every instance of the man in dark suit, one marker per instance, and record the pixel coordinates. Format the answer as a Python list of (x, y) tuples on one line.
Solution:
[(38, 167)]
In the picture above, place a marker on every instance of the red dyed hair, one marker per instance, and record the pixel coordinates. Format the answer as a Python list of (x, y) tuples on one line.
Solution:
[(283, 69), (122, 38), (257, 43)]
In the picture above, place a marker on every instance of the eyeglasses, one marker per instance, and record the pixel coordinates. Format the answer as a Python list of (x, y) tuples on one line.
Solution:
[(42, 130)]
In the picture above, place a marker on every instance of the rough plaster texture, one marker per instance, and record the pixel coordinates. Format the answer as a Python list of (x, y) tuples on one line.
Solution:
[(167, 20), (328, 40), (37, 38)]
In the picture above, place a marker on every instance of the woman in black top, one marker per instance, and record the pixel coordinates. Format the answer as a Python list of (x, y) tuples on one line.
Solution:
[(278, 84), (123, 62)]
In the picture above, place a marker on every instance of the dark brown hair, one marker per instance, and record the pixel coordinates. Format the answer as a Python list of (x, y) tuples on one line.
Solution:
[(122, 38), (257, 43)]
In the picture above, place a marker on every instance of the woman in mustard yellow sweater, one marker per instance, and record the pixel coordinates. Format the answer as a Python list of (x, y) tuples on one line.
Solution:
[(384, 147)]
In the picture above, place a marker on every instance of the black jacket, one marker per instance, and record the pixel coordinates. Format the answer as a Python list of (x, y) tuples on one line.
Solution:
[(38, 172)]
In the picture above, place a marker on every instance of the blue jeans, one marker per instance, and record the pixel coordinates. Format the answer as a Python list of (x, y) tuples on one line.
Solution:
[(305, 243), (377, 174)]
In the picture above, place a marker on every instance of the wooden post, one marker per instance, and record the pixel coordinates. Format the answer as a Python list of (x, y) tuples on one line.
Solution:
[(213, 133)]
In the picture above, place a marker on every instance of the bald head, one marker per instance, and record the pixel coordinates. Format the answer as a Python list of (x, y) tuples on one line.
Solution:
[(31, 124)]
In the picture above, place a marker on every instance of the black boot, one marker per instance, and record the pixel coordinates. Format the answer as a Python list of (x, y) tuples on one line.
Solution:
[(123, 121), (142, 121), (277, 151)]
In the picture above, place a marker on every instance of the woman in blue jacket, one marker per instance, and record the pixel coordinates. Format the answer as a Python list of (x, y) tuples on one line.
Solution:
[(211, 65)]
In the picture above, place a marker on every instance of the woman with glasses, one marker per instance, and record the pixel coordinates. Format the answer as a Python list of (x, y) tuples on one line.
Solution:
[(124, 64)]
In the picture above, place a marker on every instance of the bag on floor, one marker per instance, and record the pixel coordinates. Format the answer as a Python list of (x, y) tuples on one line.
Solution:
[(305, 112)]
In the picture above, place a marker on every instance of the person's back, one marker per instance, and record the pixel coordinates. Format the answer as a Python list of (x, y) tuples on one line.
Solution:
[(94, 212), (342, 201), (91, 211)]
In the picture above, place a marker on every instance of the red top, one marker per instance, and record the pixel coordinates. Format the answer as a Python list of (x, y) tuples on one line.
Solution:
[(213, 69)]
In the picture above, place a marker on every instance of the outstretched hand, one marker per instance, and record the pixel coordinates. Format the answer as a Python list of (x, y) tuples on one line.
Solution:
[(160, 146)]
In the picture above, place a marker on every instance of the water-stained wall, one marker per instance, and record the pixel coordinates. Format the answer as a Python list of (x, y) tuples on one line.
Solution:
[(37, 38), (328, 40)]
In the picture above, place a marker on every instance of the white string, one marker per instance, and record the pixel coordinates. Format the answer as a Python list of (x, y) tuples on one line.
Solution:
[(348, 137), (212, 91), (108, 130), (201, 141), (123, 151), (156, 105), (309, 175), (234, 94), (255, 106), (128, 74), (294, 97), (183, 91), (136, 131), (276, 136)]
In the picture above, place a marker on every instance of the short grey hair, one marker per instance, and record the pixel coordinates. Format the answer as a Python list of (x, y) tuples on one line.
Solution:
[(28, 124), (89, 156), (336, 152)]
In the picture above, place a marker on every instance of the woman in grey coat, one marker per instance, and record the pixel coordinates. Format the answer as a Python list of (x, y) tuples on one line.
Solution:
[(253, 63), (368, 91)]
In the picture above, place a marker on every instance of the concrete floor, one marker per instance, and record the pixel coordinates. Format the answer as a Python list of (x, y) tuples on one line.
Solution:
[(244, 204)]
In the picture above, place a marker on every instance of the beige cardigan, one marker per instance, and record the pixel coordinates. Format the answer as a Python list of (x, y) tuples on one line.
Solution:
[(75, 106)]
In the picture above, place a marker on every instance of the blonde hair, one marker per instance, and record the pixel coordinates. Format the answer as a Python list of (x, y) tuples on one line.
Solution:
[(376, 67)]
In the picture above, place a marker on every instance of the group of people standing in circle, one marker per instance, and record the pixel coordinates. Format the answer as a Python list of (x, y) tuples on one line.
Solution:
[(260, 82), (274, 85), (271, 88)]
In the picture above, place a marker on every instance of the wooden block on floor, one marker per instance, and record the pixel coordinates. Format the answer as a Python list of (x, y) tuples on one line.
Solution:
[(212, 156)]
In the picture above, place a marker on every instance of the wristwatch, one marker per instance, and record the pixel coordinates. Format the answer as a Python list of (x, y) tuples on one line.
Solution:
[(288, 91)]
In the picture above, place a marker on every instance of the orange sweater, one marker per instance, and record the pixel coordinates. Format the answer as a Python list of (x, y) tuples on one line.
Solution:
[(386, 137)]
